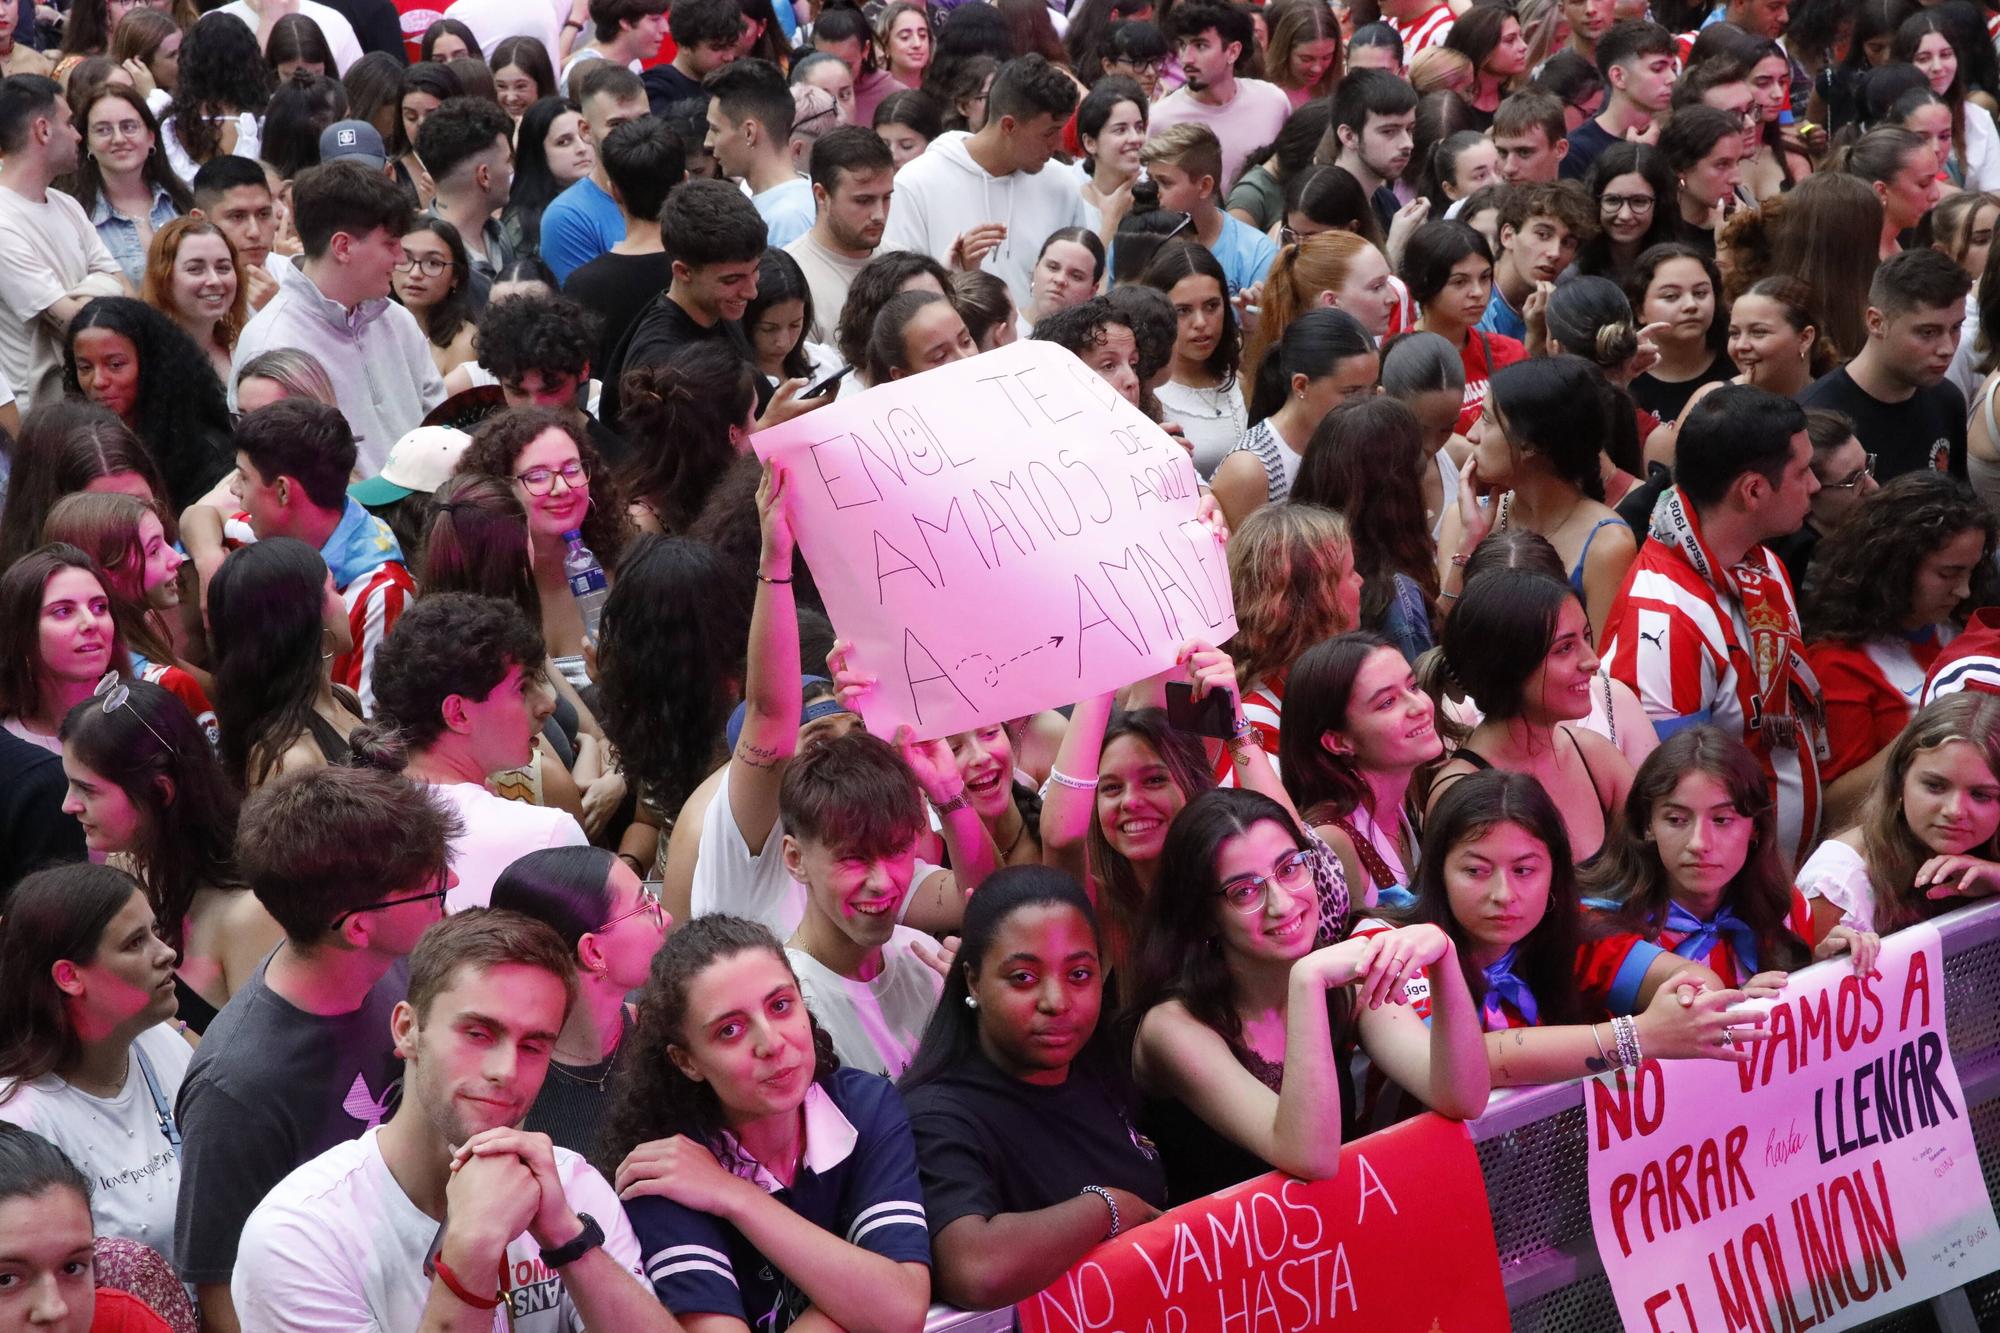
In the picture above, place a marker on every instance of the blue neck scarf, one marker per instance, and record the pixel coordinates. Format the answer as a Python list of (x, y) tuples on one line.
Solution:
[(1702, 935), (1502, 984)]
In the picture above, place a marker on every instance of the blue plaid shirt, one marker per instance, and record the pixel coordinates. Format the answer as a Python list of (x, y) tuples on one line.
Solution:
[(120, 234)]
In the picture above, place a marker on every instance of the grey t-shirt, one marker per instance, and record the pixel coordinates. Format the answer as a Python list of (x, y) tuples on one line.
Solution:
[(273, 1087)]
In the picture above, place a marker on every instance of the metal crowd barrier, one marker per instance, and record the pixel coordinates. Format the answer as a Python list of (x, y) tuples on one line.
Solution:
[(1533, 1155)]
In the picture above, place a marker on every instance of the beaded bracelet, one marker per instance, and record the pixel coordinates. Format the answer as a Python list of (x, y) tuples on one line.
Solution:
[(1626, 1030)]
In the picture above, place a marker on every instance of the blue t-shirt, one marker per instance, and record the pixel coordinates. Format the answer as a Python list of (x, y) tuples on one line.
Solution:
[(580, 225), (858, 1181), (1501, 317), (1244, 253), (788, 211)]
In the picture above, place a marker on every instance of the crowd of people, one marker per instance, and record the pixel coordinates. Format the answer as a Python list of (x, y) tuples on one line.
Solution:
[(445, 881)]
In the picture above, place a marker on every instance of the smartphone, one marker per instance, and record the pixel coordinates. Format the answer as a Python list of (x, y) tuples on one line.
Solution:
[(1208, 717), (827, 385)]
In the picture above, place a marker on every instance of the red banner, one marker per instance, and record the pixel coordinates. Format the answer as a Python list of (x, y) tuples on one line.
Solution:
[(1365, 1250)]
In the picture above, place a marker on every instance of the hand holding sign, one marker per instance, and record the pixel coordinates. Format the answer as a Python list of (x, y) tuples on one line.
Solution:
[(997, 536)]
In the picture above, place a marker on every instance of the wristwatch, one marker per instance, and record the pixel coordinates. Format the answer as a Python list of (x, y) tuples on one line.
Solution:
[(586, 1240), (958, 802)]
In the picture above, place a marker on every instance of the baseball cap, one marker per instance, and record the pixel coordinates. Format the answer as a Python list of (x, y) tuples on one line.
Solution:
[(356, 139), (420, 461), (813, 712)]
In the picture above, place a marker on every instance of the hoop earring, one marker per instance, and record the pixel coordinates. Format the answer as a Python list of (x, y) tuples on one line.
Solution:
[(326, 636)]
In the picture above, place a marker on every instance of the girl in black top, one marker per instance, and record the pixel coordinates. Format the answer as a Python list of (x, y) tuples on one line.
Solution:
[(1013, 1058)]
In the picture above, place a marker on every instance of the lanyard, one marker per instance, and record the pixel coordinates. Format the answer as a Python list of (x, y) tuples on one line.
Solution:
[(160, 1108)]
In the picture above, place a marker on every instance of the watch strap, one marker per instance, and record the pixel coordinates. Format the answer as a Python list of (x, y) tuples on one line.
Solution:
[(570, 1251), (958, 802)]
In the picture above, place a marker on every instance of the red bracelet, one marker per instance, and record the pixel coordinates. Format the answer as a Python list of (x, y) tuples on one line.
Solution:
[(451, 1283)]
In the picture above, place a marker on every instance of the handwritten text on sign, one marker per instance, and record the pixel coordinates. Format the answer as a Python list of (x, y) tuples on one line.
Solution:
[(998, 536), (1279, 1255), (1828, 1182)]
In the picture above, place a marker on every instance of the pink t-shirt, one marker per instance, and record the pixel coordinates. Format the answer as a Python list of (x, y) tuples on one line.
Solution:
[(1243, 124)]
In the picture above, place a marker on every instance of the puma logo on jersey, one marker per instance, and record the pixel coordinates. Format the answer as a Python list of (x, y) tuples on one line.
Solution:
[(1657, 638)]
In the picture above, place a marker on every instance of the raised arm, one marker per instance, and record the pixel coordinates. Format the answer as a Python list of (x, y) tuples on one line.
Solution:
[(1068, 806), (770, 733)]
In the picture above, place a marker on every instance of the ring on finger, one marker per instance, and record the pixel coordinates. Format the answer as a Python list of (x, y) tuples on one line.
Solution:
[(1728, 1037)]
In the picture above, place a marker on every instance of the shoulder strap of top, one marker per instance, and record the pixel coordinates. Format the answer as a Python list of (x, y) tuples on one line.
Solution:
[(1992, 423), (1584, 760)]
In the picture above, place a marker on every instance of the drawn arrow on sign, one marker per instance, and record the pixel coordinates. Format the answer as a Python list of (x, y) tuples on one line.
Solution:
[(991, 674)]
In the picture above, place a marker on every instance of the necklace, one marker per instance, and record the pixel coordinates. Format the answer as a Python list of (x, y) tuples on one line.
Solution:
[(575, 1077), (1007, 853)]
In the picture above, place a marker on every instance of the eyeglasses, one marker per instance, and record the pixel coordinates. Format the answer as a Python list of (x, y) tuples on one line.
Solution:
[(428, 265), (1639, 204), (436, 895), (1867, 469), (1187, 220), (649, 903), (1147, 68), (1249, 893), (542, 480), (111, 688), (124, 129)]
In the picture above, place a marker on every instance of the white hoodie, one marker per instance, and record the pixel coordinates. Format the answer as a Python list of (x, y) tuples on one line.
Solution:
[(944, 193)]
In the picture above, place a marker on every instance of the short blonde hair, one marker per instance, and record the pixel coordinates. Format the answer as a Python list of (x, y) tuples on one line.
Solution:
[(1192, 148)]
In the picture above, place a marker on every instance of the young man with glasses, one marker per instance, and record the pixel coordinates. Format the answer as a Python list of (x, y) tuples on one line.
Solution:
[(293, 462), (1846, 475), (461, 682), (354, 865), (333, 301), (1895, 392)]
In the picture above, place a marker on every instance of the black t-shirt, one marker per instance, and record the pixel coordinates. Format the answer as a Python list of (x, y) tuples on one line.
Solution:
[(377, 26), (615, 288), (1665, 398), (988, 1143), (660, 328), (1387, 205), (1796, 552), (34, 831), (666, 85), (1586, 141), (1925, 430)]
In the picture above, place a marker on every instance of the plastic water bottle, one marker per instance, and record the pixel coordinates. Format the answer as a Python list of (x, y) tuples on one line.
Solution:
[(586, 582)]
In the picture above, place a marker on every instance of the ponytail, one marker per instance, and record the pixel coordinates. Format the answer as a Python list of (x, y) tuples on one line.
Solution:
[(1314, 345)]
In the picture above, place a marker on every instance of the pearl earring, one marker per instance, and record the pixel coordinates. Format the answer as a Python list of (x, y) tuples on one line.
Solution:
[(971, 1002)]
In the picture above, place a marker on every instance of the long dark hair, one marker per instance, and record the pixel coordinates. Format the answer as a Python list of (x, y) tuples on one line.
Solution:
[(1498, 647), (1558, 407), (780, 279), (1318, 694), (301, 109), (1546, 960), (222, 71), (951, 1039), (52, 915), (535, 186), (528, 55), (154, 751), (1176, 260), (678, 415), (1312, 345), (675, 635), (650, 1097), (65, 445), (1630, 159), (454, 311), (1630, 871), (478, 543), (1862, 583), (180, 411), (264, 615), (22, 585), (1365, 461), (89, 180), (1648, 265), (566, 888), (1176, 956), (1118, 887)]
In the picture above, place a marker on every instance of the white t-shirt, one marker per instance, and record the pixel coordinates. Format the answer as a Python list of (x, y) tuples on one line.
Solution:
[(728, 878), (498, 832), (1837, 873), (47, 250), (494, 21), (117, 1142), (333, 25), (1212, 419), (337, 1245), (875, 1025)]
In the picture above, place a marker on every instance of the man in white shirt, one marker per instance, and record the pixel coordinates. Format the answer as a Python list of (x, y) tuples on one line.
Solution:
[(853, 177), (1245, 114), (460, 677), (333, 301), (382, 1234), (52, 262), (982, 200), (261, 15), (852, 816), (750, 132)]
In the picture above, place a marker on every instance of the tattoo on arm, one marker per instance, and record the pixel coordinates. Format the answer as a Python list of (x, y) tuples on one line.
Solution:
[(758, 756), (1596, 1064)]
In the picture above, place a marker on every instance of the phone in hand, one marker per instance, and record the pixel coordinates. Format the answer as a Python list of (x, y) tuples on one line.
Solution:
[(1209, 716), (827, 385)]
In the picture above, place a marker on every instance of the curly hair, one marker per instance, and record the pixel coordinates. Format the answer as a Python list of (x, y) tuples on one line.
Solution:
[(154, 751), (678, 416), (1365, 462), (1630, 870), (728, 525), (551, 334), (650, 1097), (165, 253), (222, 73), (1285, 575), (675, 636), (500, 440), (1863, 578), (448, 643), (180, 414), (66, 445)]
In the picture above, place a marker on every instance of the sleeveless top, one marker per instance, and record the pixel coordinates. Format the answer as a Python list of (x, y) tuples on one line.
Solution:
[(194, 1011), (1583, 555), (1479, 761), (1263, 443), (1985, 476)]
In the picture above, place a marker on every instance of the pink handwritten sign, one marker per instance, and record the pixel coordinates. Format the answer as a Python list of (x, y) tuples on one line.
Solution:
[(1000, 535)]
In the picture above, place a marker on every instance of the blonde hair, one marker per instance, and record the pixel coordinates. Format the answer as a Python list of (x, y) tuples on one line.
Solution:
[(1891, 852), (1439, 69), (1286, 565), (1299, 276), (1192, 148)]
